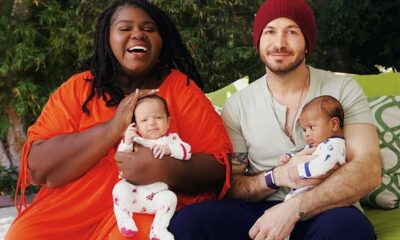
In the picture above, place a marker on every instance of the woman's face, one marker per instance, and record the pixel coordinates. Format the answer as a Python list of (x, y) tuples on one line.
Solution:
[(134, 40)]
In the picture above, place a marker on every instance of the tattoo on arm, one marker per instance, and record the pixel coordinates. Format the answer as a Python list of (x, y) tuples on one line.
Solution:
[(239, 162)]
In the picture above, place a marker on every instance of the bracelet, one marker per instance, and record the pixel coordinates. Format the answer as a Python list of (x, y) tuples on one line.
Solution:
[(269, 179)]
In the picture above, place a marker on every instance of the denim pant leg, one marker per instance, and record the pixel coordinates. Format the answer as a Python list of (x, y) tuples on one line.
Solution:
[(340, 223), (217, 220)]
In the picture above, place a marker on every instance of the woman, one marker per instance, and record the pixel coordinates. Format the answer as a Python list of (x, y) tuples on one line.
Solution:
[(71, 149)]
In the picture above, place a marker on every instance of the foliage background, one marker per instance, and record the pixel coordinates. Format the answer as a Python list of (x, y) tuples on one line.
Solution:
[(43, 42)]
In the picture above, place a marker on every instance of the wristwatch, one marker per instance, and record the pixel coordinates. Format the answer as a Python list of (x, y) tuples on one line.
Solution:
[(269, 179)]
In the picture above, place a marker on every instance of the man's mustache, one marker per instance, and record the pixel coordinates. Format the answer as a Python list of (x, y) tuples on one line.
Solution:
[(281, 50)]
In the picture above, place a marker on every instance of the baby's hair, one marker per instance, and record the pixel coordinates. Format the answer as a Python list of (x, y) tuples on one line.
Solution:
[(328, 105), (104, 66), (155, 97)]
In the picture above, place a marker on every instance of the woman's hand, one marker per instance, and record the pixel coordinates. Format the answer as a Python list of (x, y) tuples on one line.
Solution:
[(64, 158), (139, 167), (123, 115)]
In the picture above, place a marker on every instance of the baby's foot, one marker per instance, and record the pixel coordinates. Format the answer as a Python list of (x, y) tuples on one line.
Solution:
[(127, 232), (126, 225), (160, 234)]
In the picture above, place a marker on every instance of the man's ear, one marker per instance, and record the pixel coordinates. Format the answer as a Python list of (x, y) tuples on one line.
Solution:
[(335, 122)]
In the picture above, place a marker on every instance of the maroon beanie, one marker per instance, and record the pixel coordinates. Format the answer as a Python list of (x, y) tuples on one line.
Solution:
[(296, 10)]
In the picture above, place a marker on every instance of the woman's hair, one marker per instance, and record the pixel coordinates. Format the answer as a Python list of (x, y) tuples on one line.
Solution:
[(104, 66)]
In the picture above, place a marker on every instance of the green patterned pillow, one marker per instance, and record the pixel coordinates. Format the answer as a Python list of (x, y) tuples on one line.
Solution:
[(219, 97), (386, 110)]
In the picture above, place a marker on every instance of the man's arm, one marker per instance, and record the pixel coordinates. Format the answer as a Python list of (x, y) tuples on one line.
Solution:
[(250, 188), (328, 156), (254, 188), (353, 180), (344, 187)]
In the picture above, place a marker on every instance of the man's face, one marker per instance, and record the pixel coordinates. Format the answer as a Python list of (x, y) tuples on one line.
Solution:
[(282, 45)]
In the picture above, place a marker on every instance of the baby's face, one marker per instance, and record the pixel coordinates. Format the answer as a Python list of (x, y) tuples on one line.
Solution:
[(316, 126), (152, 121)]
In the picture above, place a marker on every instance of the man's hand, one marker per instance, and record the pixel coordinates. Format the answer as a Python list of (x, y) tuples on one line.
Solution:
[(284, 158), (277, 222), (123, 115), (294, 174), (287, 176)]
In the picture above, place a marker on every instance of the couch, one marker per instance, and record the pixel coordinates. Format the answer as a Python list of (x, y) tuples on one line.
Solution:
[(382, 205)]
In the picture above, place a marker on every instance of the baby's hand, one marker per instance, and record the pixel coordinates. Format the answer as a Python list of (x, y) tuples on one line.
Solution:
[(130, 133), (160, 151), (284, 158)]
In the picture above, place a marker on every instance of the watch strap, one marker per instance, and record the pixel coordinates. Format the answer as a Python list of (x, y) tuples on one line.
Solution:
[(269, 179)]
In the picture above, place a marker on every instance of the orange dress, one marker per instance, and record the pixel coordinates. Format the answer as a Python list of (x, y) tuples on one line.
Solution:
[(83, 209)]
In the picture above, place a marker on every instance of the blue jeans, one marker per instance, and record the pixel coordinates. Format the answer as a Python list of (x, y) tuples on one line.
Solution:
[(232, 219)]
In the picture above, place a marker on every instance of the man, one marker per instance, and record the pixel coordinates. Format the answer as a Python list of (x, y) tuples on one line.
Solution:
[(262, 121)]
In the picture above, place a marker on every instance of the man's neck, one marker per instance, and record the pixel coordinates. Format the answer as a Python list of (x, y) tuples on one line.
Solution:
[(289, 82)]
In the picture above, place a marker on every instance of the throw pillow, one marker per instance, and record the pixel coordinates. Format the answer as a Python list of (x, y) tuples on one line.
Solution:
[(219, 97), (386, 110)]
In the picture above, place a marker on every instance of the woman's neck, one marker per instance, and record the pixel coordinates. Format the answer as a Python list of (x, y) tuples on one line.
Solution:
[(129, 84), (150, 80)]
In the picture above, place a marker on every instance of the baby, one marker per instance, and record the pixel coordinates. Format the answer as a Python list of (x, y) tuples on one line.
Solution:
[(322, 122), (151, 123)]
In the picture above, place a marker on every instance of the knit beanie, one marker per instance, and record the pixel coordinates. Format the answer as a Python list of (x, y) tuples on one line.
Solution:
[(296, 10)]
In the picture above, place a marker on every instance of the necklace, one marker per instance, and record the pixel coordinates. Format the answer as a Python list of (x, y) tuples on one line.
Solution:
[(289, 123)]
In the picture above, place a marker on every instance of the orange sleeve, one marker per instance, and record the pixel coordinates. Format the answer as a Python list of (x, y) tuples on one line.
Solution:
[(60, 115), (197, 122)]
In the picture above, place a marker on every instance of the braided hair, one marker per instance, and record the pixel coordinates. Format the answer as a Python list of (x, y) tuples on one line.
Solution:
[(104, 66)]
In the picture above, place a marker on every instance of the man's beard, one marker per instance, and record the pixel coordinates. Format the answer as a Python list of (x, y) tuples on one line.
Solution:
[(283, 69)]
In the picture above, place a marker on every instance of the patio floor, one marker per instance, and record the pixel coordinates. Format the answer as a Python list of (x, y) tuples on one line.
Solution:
[(7, 215)]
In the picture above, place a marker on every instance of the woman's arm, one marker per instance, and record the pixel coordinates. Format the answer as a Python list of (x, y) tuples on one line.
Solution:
[(64, 158), (199, 174)]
